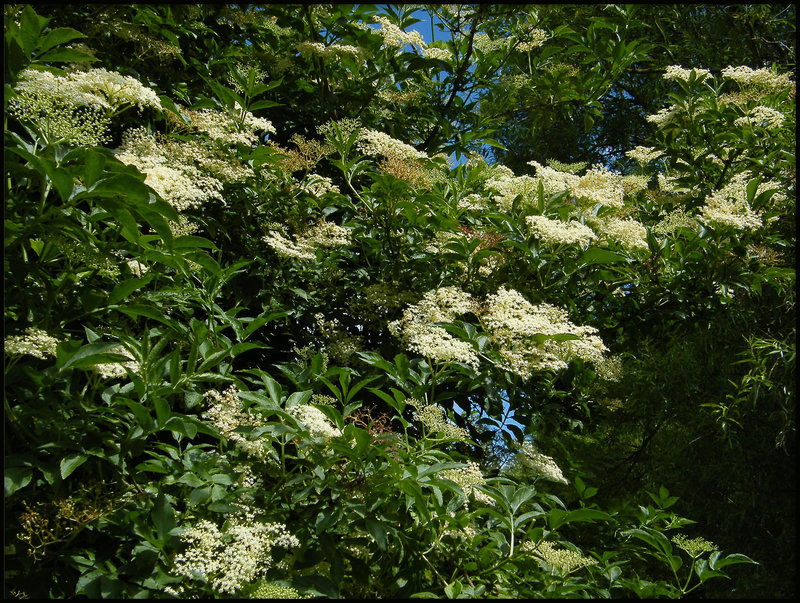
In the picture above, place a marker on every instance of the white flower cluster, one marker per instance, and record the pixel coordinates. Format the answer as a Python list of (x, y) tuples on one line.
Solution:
[(644, 155), (112, 90), (729, 207), (486, 45), (633, 183), (627, 232), (233, 557), (514, 323), (394, 37), (322, 234), (664, 116), (60, 112), (560, 559), (239, 128), (442, 54), (509, 187), (556, 232), (34, 342), (334, 51), (434, 342), (315, 421), (676, 72), (434, 420), (317, 185), (601, 185), (541, 464), (610, 369), (761, 78), (175, 177), (531, 38), (225, 412), (467, 478), (116, 370), (673, 220), (373, 142), (761, 116)]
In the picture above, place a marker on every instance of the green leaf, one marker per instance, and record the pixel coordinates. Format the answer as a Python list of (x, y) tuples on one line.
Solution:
[(163, 517), (595, 255), (126, 287), (60, 35), (15, 478), (377, 531), (71, 462)]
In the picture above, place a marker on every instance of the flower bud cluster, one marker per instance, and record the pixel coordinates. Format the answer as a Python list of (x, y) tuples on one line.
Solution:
[(644, 155), (560, 559), (761, 116), (467, 478), (434, 420), (694, 547)]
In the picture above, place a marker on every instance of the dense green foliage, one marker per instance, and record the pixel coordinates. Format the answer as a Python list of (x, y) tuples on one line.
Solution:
[(263, 336)]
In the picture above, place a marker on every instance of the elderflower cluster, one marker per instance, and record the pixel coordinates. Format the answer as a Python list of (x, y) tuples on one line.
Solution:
[(663, 116), (239, 128), (373, 142), (694, 547), (674, 220), (175, 177), (394, 37), (323, 234), (633, 183), (60, 112), (467, 478), (420, 336), (34, 342), (627, 232), (728, 206), (116, 369), (113, 90), (317, 185), (600, 185), (441, 54), (226, 413), (532, 38), (554, 179), (230, 558), (79, 254), (644, 155), (557, 558), (270, 590), (757, 78), (314, 420), (434, 420), (516, 328), (541, 464), (761, 116), (509, 187), (676, 72), (486, 45), (334, 51), (339, 344), (556, 232)]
